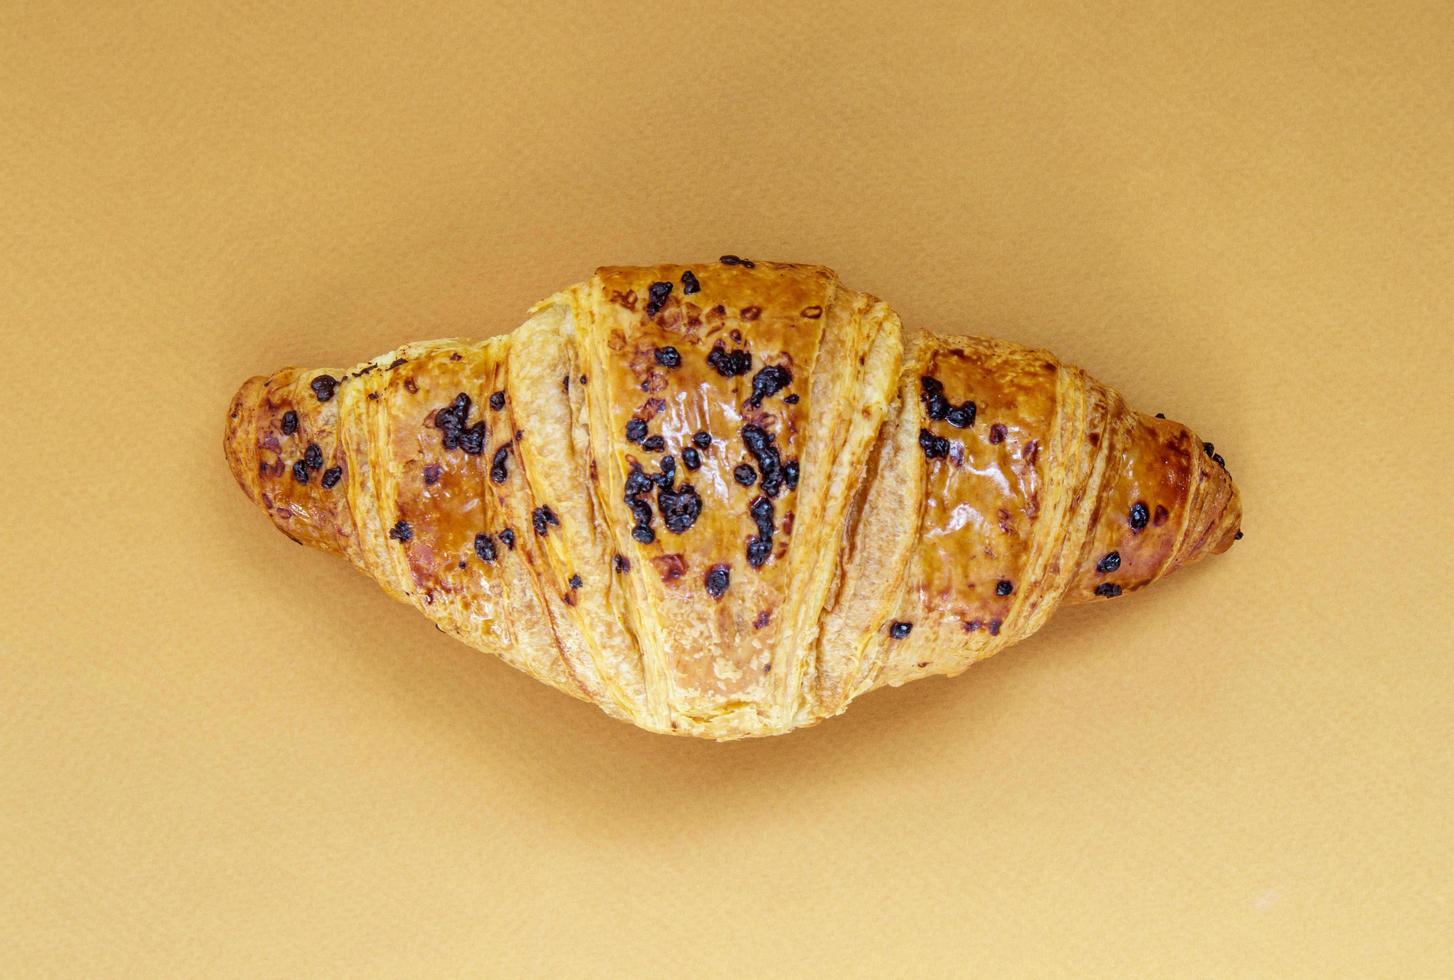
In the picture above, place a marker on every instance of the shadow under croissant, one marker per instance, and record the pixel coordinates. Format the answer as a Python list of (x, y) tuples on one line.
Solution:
[(562, 755)]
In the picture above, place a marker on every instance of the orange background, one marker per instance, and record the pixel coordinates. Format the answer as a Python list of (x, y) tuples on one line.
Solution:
[(223, 754)]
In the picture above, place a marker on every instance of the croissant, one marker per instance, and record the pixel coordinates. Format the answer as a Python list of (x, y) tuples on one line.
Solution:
[(724, 500)]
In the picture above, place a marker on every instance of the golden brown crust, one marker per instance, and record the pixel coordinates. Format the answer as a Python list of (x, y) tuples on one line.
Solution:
[(725, 499)]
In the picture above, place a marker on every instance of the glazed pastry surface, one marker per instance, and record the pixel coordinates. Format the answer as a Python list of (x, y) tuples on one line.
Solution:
[(726, 499)]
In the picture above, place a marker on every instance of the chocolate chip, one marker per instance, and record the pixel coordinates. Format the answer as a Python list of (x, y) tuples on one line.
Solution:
[(690, 459), (290, 422), (679, 508), (620, 563), (759, 548), (900, 629), (763, 618), (745, 475), (1108, 589), (668, 357), (1139, 515), (431, 474), (635, 430), (300, 472), (1238, 535), (762, 512), (658, 292), (663, 479), (730, 260), (485, 548), (935, 447), (961, 417), (508, 537), (499, 470), (542, 519), (638, 486), (398, 363), (1217, 458), (472, 440), (931, 395), (1109, 563), (994, 627), (582, 379), (331, 477), (751, 312), (497, 400), (792, 399), (323, 387), (637, 482), (997, 434), (401, 532), (313, 457), (575, 582), (653, 444), (790, 474), (689, 283), (1161, 415), (451, 420), (937, 408), (1209, 449), (1004, 587), (702, 440), (640, 507), (768, 382), (760, 443), (729, 365), (718, 578)]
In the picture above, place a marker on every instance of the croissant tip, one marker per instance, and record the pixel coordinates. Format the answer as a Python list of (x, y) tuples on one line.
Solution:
[(1230, 524), (238, 445), (1221, 521)]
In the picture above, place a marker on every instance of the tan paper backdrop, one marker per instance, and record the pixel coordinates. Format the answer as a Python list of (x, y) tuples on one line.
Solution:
[(223, 754)]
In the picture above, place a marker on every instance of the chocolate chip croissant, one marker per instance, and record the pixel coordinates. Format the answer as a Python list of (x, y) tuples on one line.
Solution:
[(726, 499)]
